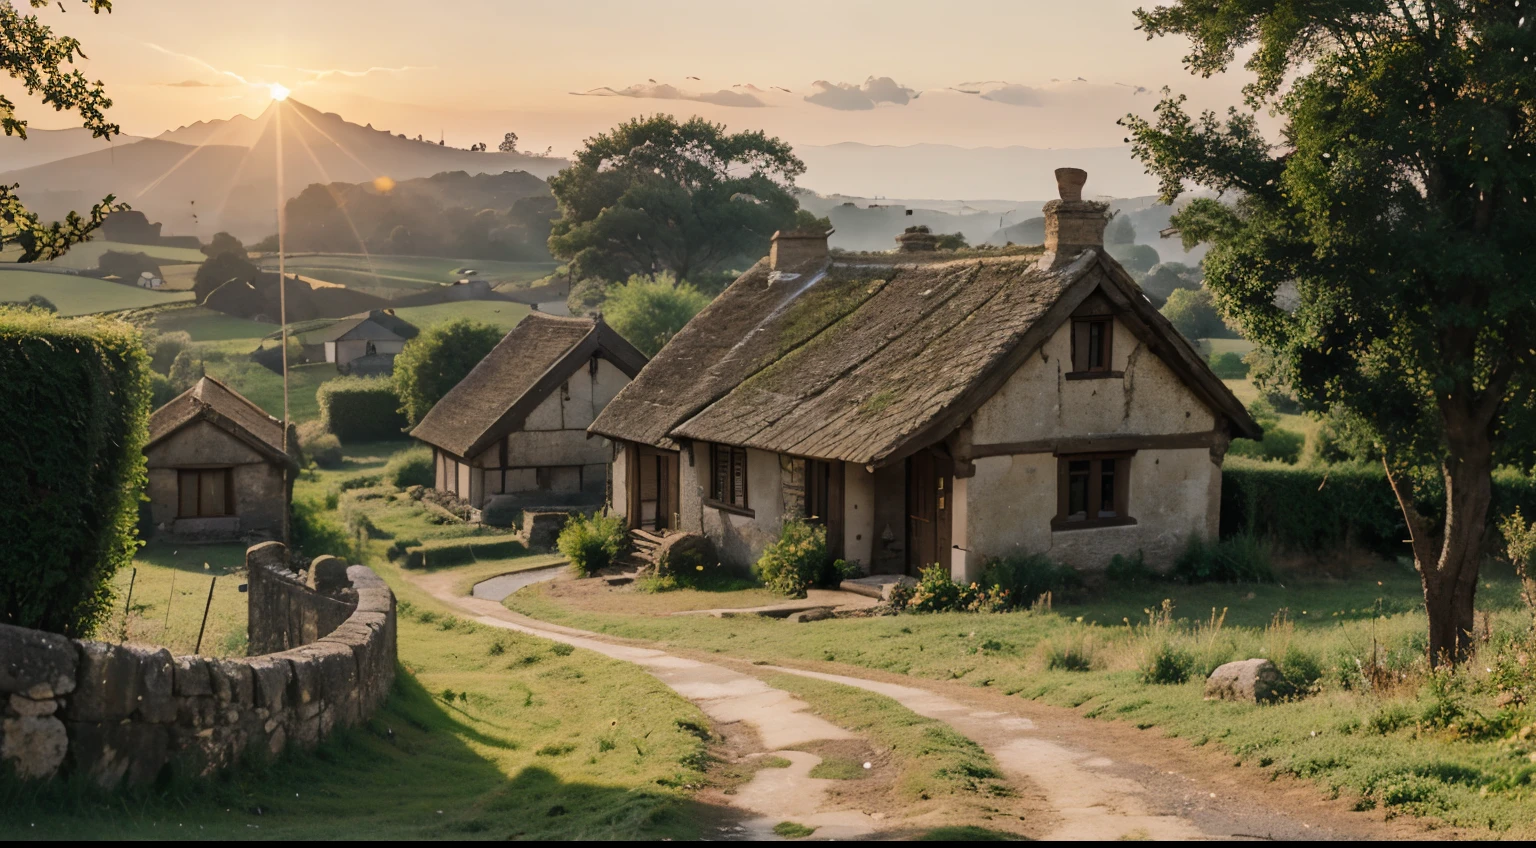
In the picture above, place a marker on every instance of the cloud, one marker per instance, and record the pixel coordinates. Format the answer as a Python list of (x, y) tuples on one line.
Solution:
[(204, 65), (845, 96), (662, 91), (1013, 95), (1052, 93)]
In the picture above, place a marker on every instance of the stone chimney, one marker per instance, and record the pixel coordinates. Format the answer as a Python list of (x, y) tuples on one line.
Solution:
[(1072, 224), (797, 247), (917, 239)]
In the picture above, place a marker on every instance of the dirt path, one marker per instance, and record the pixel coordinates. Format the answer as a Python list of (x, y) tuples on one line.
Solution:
[(1093, 779)]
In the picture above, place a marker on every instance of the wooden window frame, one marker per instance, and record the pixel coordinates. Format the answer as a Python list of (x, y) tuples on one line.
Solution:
[(1082, 351), (1122, 482), (725, 463), (197, 475)]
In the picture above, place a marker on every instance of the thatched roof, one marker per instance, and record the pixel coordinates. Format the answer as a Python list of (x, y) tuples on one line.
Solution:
[(868, 358), (212, 401), (531, 361)]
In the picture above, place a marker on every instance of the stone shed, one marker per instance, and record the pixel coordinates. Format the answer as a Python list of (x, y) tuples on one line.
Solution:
[(931, 407), (217, 469)]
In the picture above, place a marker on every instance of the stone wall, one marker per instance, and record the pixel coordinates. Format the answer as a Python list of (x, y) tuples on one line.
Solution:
[(124, 713)]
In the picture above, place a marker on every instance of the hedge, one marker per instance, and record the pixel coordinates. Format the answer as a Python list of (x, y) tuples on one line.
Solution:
[(439, 553), (360, 409), (76, 394), (1310, 509)]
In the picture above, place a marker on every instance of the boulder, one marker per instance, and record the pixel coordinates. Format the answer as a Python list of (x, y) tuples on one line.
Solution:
[(543, 528), (34, 745), (685, 552), (36, 664), (1248, 681)]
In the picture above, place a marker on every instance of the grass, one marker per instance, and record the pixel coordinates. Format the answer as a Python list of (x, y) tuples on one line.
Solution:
[(265, 388), (838, 768), (206, 325), (793, 830), (489, 734), (81, 295), (408, 272), (170, 589), (84, 257), (1451, 751), (503, 314)]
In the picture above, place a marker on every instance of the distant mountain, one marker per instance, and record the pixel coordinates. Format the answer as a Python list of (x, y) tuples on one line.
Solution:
[(200, 190), (241, 131), (946, 171), (44, 146)]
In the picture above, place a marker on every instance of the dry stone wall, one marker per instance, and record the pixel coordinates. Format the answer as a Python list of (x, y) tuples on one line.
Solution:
[(124, 713)]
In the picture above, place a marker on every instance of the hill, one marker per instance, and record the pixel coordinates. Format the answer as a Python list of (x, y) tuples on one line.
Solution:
[(201, 190), (44, 146)]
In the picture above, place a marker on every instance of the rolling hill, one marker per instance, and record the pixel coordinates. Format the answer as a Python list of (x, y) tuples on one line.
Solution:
[(200, 190), (44, 146)]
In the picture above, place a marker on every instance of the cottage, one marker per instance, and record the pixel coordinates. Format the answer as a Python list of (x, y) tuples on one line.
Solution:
[(931, 407), (516, 427), (217, 469), (372, 334)]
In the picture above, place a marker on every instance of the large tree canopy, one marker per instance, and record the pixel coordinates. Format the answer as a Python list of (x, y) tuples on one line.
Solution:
[(39, 61), (1382, 253), (654, 195)]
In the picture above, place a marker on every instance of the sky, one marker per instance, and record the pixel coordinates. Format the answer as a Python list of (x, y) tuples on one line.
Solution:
[(973, 73)]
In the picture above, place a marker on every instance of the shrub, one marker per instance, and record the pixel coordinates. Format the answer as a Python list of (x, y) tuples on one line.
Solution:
[(161, 392), (1166, 664), (592, 544), (360, 409), (165, 347), (185, 371), (796, 560), (1076, 655), (1240, 559), (1193, 313), (316, 530), (1278, 445), (1229, 366), (76, 392), (325, 451), (1130, 570), (1023, 579), (437, 360), (935, 591), (410, 468), (442, 553)]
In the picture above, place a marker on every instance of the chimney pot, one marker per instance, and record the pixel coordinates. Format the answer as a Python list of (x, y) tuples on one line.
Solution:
[(918, 239), (1070, 182), (797, 247)]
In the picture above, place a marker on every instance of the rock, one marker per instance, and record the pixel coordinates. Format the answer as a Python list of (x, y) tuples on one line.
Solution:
[(685, 552), (1249, 681), (543, 528), (328, 574), (39, 664), (157, 700), (818, 614), (192, 676), (111, 752), (107, 684), (24, 706), (35, 745)]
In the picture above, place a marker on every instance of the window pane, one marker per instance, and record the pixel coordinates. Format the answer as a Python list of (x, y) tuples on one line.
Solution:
[(1107, 506), (738, 477), (722, 469), (1077, 489), (186, 482), (210, 499)]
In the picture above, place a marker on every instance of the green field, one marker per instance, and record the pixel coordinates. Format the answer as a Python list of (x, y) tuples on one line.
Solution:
[(265, 388), (206, 325), (85, 256), (170, 591), (398, 274), (81, 295), (504, 314)]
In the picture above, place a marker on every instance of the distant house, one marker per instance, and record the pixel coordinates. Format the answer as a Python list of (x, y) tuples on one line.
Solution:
[(931, 407), (217, 470), (516, 427), (373, 334)]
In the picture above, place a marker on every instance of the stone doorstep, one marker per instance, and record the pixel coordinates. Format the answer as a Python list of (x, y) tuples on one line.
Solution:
[(877, 586)]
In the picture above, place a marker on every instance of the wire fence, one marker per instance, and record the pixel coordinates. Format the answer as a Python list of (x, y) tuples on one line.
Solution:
[(173, 607)]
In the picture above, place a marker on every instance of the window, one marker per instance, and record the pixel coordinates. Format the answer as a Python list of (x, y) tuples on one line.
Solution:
[(205, 492), (1092, 491), (728, 484), (1092, 345)]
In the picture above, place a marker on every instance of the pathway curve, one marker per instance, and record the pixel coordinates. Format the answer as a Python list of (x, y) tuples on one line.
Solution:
[(1094, 787)]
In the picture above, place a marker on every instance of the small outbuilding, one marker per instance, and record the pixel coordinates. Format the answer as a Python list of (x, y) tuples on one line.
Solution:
[(372, 334), (217, 468), (516, 426)]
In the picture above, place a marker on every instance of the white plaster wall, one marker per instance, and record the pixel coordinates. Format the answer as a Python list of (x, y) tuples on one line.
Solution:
[(619, 469), (1038, 402), (552, 447), (547, 415), (741, 538), (1008, 506), (858, 514)]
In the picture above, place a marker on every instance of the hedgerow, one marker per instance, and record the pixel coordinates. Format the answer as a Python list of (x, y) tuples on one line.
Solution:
[(76, 392), (360, 409)]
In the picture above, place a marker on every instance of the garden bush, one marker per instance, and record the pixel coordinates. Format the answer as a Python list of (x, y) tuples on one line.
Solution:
[(411, 468), (316, 531), (1240, 559), (76, 392), (360, 409), (1022, 579), (592, 544), (796, 561), (1277, 445), (1166, 663)]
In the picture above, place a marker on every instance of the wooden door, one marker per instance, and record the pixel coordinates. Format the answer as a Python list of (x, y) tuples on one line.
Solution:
[(667, 490), (930, 479)]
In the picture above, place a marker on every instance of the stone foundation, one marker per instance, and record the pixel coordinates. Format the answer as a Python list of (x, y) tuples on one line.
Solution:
[(124, 713)]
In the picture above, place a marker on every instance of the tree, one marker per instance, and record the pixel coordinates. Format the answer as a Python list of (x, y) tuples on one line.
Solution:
[(951, 241), (508, 143), (220, 269), (39, 61), (1162, 279), (437, 360), (649, 312), (1137, 258), (654, 195), (1397, 219), (1120, 230), (1192, 313), (224, 243)]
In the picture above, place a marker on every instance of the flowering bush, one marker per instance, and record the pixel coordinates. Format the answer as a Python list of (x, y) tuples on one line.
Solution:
[(797, 560)]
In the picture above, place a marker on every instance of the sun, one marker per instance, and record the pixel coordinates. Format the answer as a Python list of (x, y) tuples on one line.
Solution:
[(279, 91)]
